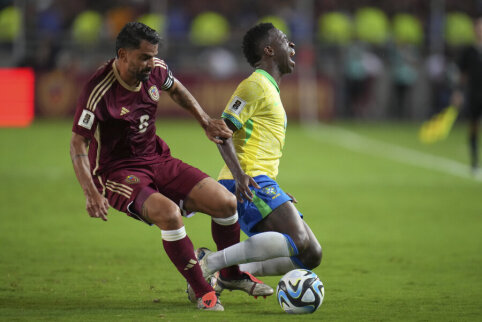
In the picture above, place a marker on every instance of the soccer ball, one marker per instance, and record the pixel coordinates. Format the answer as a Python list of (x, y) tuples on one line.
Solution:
[(300, 291)]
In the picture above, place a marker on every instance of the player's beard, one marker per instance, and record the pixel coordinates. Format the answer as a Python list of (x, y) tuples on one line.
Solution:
[(143, 75)]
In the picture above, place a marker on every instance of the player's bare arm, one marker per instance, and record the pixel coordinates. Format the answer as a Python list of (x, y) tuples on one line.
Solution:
[(243, 181), (96, 204), (215, 129)]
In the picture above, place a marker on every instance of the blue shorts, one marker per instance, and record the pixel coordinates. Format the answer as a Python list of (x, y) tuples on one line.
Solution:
[(265, 200)]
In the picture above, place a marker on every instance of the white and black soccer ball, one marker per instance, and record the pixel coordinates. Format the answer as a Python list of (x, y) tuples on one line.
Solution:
[(300, 291)]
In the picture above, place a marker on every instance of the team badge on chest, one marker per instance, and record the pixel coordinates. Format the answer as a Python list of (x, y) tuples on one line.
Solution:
[(154, 93), (132, 179)]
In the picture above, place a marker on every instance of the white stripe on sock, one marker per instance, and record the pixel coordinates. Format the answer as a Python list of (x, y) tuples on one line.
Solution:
[(173, 235), (226, 221)]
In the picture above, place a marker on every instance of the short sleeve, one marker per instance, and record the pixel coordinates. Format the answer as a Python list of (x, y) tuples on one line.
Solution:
[(163, 74), (86, 119), (243, 103)]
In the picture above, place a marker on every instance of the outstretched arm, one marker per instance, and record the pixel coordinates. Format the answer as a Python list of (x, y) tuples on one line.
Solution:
[(96, 204), (242, 179), (216, 130)]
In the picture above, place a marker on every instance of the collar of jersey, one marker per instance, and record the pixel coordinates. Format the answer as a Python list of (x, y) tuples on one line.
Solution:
[(124, 84), (269, 77)]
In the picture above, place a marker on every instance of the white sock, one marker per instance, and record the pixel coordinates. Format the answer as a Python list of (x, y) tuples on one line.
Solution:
[(257, 248), (270, 267)]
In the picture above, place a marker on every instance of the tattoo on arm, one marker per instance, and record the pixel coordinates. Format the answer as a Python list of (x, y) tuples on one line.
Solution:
[(201, 184), (79, 156)]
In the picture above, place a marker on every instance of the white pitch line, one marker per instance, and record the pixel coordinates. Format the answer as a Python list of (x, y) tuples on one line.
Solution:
[(356, 142)]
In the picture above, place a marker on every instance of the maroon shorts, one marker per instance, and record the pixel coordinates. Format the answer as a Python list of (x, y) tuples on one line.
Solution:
[(128, 188)]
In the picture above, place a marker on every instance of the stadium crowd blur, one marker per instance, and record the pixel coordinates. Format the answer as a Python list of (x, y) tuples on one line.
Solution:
[(371, 59)]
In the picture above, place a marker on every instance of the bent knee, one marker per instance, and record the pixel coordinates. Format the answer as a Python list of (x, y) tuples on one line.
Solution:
[(231, 204), (309, 251), (166, 216), (227, 205), (301, 240), (311, 257)]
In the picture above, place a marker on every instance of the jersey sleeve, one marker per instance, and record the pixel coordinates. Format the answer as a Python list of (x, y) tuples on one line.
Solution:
[(163, 74), (243, 103), (86, 118)]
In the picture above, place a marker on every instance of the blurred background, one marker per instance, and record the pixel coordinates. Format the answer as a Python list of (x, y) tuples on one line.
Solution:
[(399, 220), (356, 59)]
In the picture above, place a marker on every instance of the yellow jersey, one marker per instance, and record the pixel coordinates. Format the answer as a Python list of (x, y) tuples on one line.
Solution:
[(256, 110)]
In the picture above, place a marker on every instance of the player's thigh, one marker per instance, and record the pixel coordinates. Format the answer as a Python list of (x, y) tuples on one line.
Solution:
[(121, 187), (193, 190), (286, 220), (282, 219), (161, 211), (212, 198)]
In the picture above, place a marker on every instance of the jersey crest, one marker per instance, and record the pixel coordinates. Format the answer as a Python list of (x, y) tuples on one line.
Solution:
[(154, 93), (271, 191), (132, 179)]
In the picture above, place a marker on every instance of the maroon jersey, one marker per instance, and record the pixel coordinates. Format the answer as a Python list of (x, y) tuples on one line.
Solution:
[(119, 120)]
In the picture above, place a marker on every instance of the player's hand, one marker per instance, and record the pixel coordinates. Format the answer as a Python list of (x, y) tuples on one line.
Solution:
[(97, 205), (242, 188), (294, 199), (216, 130)]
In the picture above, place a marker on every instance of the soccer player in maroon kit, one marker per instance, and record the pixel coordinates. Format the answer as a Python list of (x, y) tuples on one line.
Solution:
[(120, 161)]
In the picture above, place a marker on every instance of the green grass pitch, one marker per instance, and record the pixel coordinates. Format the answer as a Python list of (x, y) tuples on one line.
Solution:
[(401, 241)]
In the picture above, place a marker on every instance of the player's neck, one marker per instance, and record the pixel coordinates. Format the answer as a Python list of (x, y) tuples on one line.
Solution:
[(124, 75), (271, 69)]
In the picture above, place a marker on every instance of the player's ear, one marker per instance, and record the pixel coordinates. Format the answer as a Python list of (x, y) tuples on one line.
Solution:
[(122, 54), (268, 51)]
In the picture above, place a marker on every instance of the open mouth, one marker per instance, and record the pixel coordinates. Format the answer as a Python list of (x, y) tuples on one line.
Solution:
[(292, 54)]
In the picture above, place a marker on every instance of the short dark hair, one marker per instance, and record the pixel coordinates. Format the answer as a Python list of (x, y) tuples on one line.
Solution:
[(131, 35), (253, 40)]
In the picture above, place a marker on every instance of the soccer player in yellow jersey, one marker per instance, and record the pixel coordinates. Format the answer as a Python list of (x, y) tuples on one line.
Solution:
[(279, 238)]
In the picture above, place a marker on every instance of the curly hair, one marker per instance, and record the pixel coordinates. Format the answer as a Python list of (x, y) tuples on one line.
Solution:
[(253, 40), (132, 33)]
